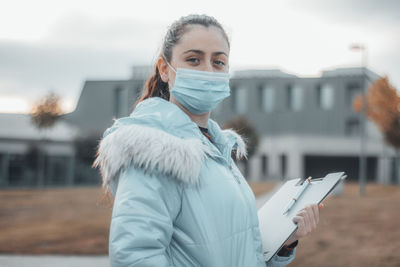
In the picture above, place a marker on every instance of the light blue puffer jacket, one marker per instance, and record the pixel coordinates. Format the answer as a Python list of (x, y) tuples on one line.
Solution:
[(180, 200)]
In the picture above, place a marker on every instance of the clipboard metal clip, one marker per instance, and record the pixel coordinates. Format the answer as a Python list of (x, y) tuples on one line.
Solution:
[(301, 181)]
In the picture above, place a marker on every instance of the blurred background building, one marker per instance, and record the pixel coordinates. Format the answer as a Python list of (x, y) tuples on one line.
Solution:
[(306, 126), (33, 157)]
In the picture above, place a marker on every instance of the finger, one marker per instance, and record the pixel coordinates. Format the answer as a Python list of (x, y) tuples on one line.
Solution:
[(316, 214), (300, 226), (306, 223), (301, 212), (313, 223), (296, 219), (299, 219), (321, 206), (308, 219)]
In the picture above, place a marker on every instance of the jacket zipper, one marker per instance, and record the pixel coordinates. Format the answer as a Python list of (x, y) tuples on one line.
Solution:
[(230, 164)]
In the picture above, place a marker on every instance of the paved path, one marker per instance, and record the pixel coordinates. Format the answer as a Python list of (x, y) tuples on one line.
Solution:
[(53, 261), (73, 261)]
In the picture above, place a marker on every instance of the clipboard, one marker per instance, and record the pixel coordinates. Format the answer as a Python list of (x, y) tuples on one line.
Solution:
[(275, 226)]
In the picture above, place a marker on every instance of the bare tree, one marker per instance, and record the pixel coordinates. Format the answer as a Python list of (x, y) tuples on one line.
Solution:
[(243, 127)]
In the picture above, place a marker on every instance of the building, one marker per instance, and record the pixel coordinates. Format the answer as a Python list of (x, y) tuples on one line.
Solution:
[(30, 157), (306, 125), (101, 101)]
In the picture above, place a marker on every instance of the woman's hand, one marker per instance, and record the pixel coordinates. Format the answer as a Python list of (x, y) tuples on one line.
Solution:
[(307, 220)]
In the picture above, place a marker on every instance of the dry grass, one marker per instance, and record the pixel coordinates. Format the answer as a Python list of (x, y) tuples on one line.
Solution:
[(353, 231), (65, 221)]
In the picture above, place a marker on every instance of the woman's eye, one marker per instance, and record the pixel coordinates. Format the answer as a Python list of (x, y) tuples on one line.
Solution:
[(219, 62), (193, 60)]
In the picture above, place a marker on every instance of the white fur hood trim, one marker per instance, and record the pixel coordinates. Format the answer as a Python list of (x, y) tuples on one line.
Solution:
[(241, 149), (153, 149)]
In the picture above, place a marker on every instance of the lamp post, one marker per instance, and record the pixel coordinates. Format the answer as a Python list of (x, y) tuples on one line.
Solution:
[(362, 171)]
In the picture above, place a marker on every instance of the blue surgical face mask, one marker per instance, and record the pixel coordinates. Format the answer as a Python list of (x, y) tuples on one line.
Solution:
[(200, 91)]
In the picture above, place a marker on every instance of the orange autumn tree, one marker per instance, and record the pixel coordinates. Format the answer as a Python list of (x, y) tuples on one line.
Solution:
[(383, 108), (46, 111), (44, 115)]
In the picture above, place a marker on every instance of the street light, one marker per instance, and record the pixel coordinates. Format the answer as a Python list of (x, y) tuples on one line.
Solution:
[(362, 171)]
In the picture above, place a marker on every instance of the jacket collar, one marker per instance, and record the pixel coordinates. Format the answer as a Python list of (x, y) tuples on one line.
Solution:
[(178, 123), (159, 137)]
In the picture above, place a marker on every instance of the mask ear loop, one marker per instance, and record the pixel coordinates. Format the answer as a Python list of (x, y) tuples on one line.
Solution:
[(166, 61)]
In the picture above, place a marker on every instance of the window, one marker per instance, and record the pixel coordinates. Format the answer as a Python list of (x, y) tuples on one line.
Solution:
[(118, 102), (294, 97), (393, 170), (16, 169), (264, 165), (240, 99), (353, 89), (283, 166), (325, 96), (353, 127), (59, 170), (267, 98)]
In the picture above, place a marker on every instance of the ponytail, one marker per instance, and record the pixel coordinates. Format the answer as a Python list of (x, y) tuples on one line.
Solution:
[(154, 86)]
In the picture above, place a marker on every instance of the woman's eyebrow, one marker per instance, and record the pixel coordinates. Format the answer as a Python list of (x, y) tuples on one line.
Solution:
[(219, 53), (194, 51), (202, 52)]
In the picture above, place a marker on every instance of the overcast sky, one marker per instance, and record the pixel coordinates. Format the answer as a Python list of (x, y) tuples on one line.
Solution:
[(57, 45)]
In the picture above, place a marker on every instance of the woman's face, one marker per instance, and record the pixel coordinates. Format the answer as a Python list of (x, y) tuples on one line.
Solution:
[(200, 48)]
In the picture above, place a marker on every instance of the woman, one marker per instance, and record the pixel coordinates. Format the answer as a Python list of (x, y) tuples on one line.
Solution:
[(180, 200)]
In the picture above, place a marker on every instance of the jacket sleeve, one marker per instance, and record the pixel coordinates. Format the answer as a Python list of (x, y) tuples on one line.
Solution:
[(275, 261), (144, 209), (278, 261)]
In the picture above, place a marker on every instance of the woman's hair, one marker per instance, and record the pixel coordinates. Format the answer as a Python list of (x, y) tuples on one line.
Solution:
[(154, 86)]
